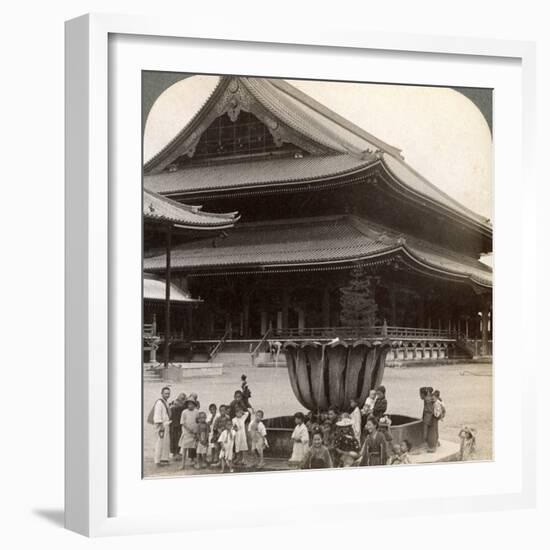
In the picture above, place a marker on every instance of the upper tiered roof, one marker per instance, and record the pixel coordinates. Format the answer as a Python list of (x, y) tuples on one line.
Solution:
[(333, 147)]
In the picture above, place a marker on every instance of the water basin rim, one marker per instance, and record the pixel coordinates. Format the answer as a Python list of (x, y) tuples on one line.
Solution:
[(369, 342)]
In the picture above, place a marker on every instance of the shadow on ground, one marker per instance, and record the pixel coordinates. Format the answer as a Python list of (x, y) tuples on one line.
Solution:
[(56, 517)]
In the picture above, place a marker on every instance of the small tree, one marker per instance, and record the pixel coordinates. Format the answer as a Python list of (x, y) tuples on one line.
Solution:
[(357, 304)]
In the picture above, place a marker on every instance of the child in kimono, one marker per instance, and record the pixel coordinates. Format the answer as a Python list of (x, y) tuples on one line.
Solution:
[(381, 404), (211, 417), (227, 445), (395, 455), (189, 428), (203, 437), (384, 425), (405, 447), (356, 419), (300, 440), (369, 404), (467, 443), (258, 436), (317, 456), (326, 431), (241, 443), (217, 428), (373, 452), (345, 442)]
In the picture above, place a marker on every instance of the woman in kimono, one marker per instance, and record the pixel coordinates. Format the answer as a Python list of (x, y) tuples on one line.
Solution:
[(189, 430), (373, 452), (300, 440), (430, 431)]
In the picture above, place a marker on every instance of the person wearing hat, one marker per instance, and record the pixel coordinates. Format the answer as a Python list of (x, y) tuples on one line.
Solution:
[(345, 441), (159, 417), (189, 430), (176, 408)]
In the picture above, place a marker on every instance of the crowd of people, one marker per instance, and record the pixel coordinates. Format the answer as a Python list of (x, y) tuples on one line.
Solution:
[(234, 435)]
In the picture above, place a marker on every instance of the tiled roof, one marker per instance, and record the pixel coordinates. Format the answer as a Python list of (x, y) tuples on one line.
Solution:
[(154, 288), (317, 241), (162, 209), (243, 174), (418, 184), (311, 118), (316, 122)]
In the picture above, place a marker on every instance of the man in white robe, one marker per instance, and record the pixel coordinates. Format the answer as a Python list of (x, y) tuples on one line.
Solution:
[(161, 421)]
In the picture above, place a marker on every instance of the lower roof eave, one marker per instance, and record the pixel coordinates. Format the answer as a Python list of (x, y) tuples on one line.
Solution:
[(403, 255)]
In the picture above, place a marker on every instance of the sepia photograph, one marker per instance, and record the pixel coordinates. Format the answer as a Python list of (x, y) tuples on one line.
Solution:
[(317, 274)]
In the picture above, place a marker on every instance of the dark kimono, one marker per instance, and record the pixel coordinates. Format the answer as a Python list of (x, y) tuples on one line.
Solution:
[(374, 450), (175, 427), (431, 427), (316, 459), (380, 407)]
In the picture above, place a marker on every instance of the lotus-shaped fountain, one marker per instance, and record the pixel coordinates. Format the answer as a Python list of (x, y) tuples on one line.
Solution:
[(324, 375)]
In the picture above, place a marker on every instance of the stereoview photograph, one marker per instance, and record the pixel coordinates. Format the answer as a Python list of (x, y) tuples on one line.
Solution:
[(317, 274)]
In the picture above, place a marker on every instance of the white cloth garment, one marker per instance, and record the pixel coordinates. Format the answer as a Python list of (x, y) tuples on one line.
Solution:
[(227, 441), (161, 420), (356, 419), (241, 444), (300, 445)]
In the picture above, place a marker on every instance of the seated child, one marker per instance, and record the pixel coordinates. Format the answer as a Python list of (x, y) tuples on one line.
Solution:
[(317, 456), (300, 440), (258, 436)]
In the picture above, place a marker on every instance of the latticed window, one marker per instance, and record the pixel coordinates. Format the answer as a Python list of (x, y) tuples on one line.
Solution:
[(246, 136)]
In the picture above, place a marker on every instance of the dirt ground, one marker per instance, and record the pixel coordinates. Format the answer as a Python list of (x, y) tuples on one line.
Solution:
[(466, 389)]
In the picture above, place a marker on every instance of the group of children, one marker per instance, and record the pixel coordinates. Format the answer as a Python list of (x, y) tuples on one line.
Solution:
[(360, 437), (221, 437)]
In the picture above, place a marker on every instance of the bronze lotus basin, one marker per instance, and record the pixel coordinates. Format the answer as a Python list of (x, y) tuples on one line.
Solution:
[(325, 375)]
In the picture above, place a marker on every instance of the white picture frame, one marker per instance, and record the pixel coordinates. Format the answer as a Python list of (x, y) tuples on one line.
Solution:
[(91, 211)]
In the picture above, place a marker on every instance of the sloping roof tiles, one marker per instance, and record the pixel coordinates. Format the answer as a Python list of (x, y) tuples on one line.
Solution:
[(332, 240), (157, 208), (154, 288)]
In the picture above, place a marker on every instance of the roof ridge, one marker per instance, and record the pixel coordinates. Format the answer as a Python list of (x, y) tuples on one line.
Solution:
[(342, 121)]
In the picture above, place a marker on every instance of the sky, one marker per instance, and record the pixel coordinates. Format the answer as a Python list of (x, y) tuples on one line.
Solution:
[(440, 132)]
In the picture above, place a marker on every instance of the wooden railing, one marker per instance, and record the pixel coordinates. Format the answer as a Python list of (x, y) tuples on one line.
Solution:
[(220, 344), (261, 343), (322, 333)]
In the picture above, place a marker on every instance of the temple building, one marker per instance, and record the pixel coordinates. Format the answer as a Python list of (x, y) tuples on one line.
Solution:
[(317, 196)]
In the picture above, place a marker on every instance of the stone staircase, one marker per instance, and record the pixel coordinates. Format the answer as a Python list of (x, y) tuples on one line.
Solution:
[(151, 375), (233, 359)]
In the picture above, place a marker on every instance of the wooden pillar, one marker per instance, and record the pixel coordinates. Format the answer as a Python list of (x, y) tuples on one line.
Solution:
[(393, 302), (484, 328), (301, 319), (263, 322), (286, 305), (246, 314), (167, 295), (421, 313), (326, 307)]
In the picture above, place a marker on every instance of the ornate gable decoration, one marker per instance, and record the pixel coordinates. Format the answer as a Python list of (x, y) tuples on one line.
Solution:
[(231, 97)]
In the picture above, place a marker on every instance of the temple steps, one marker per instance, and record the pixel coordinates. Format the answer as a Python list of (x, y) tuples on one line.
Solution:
[(233, 359)]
